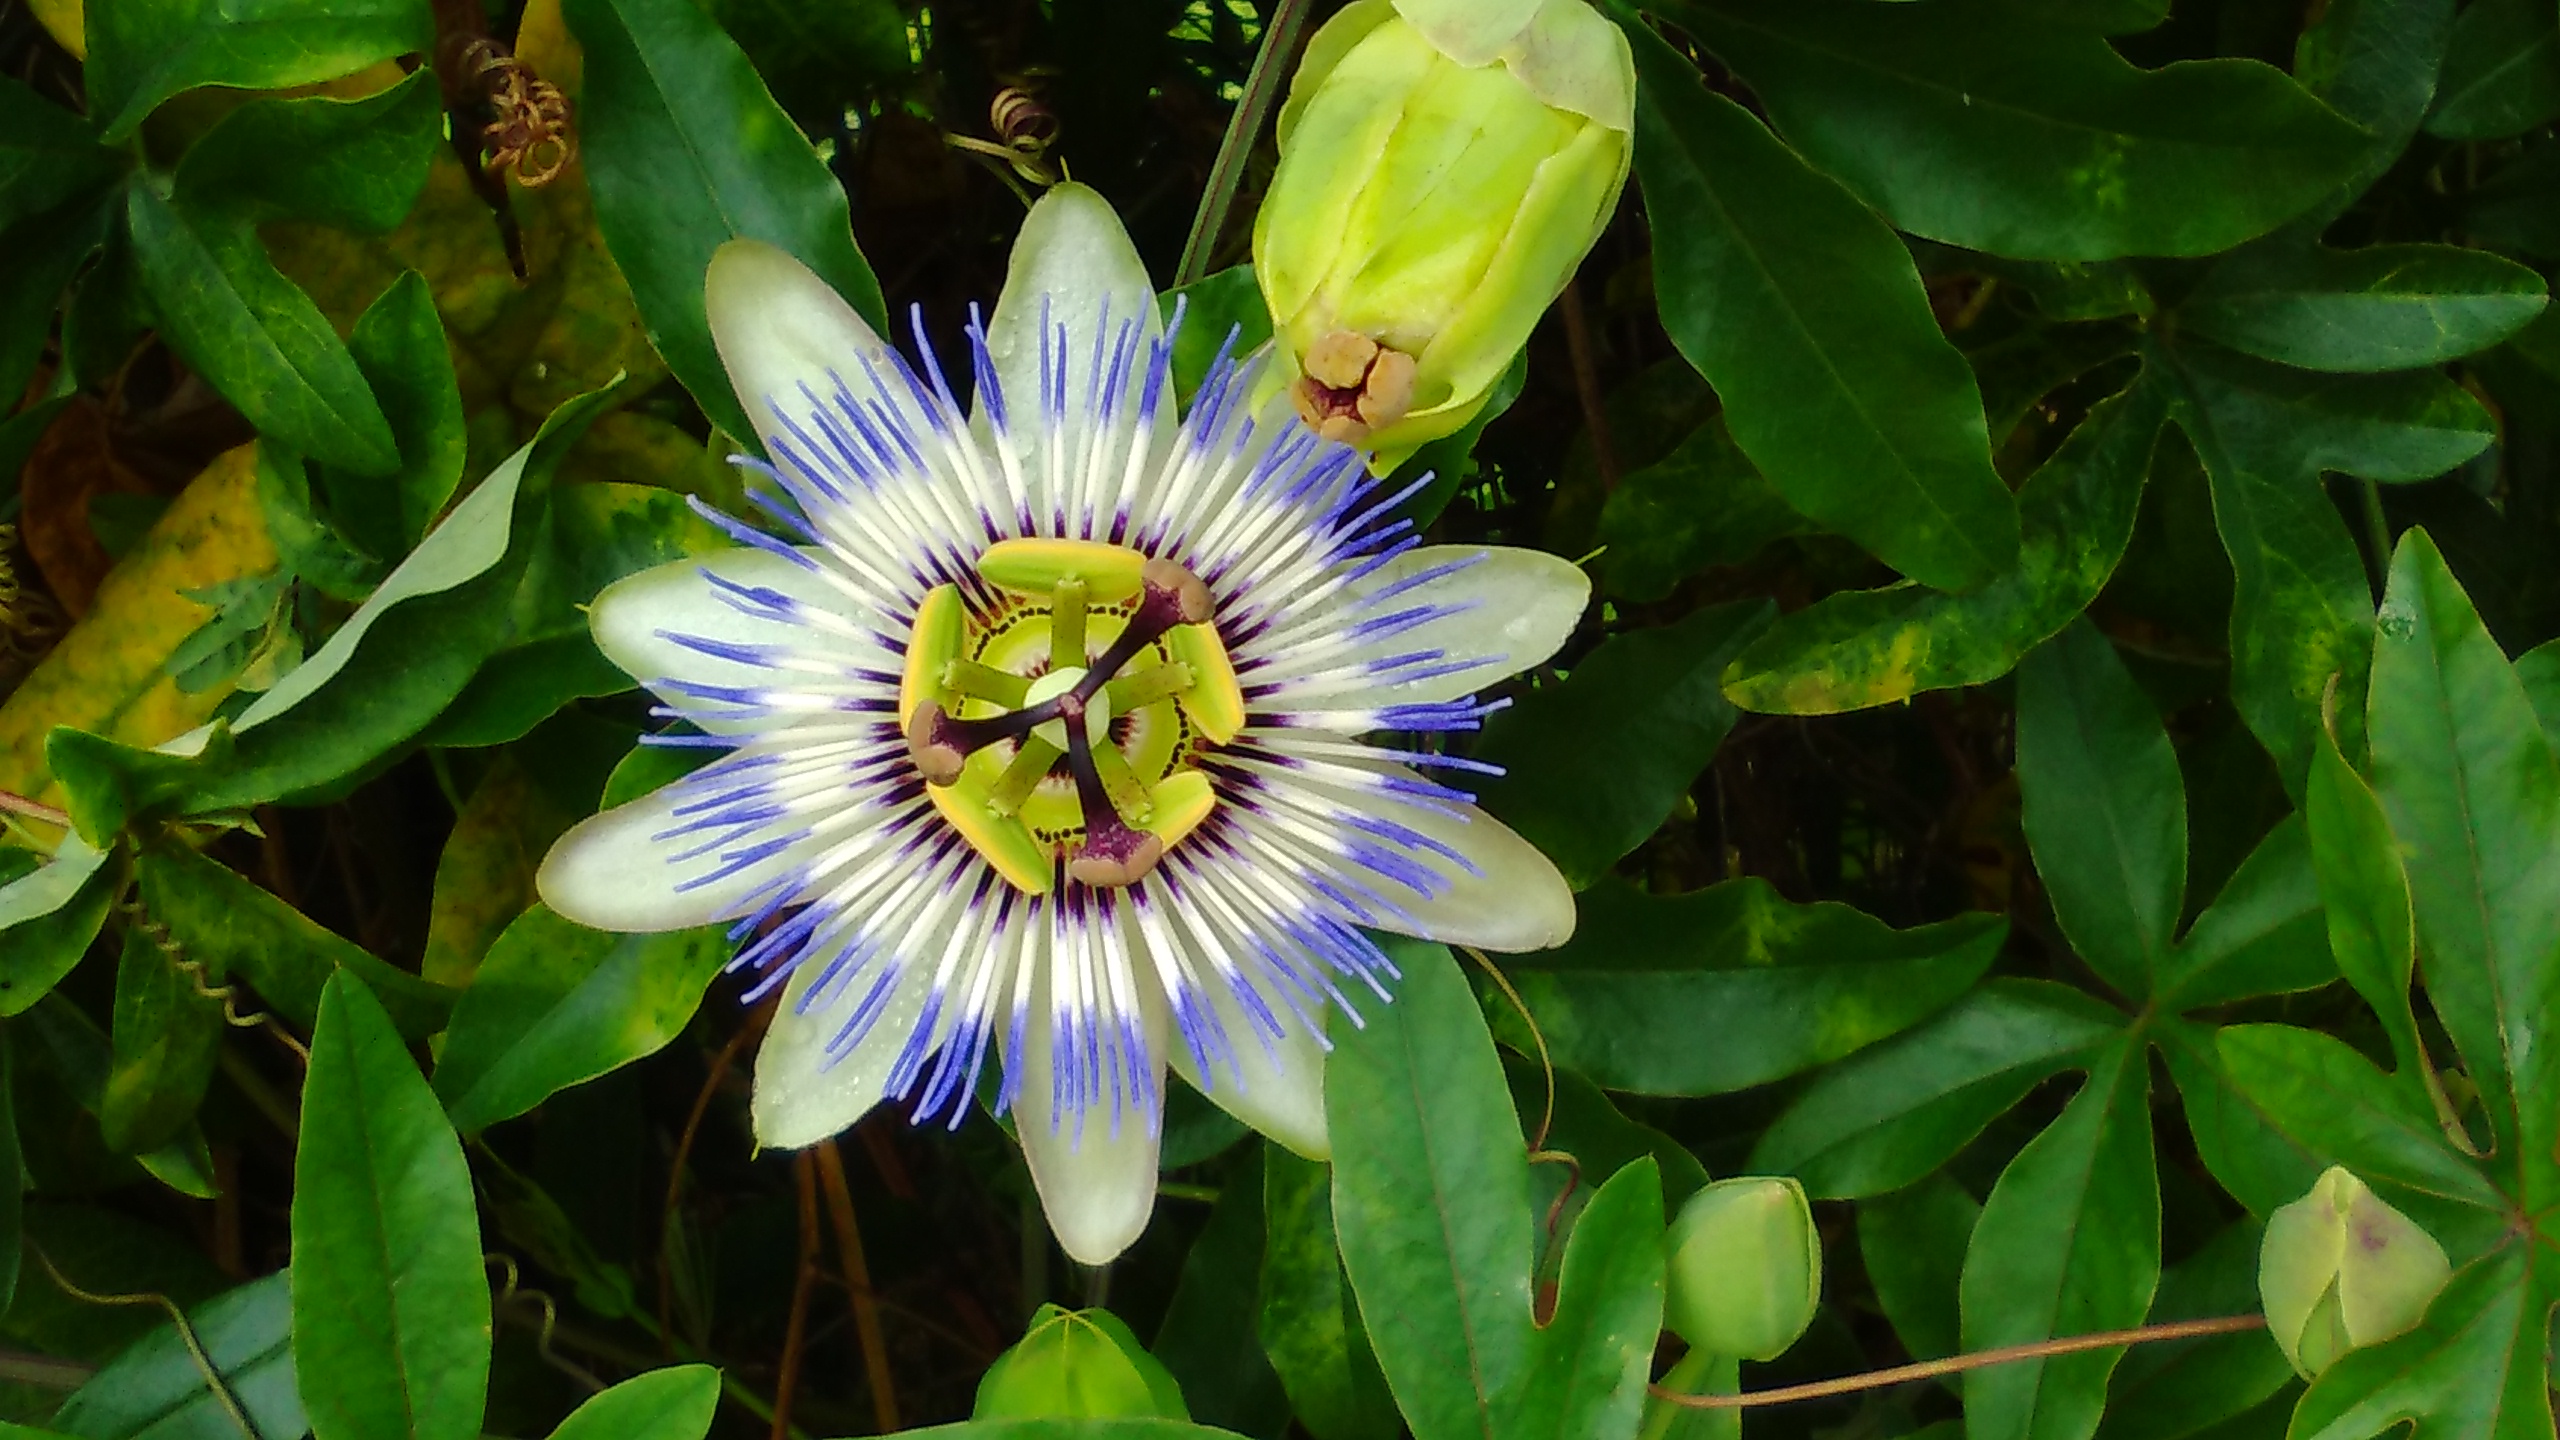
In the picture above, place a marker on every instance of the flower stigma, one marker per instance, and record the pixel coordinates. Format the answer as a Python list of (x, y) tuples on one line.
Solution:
[(1055, 728)]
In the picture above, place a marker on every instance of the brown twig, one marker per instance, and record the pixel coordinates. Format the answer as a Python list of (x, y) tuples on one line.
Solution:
[(17, 804), (1586, 385), (1957, 1364), (720, 1064), (857, 1283), (795, 1331)]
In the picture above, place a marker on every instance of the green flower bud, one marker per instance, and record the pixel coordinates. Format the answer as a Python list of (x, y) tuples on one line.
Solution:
[(1746, 1268), (2340, 1269), (1078, 1364), (1444, 166)]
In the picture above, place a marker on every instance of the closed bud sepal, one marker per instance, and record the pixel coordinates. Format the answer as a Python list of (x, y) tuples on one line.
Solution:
[(1444, 167), (2339, 1269), (1746, 1268)]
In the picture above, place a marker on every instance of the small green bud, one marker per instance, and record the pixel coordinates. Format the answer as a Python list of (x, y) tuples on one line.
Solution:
[(1078, 1364), (1444, 166), (2340, 1269), (1746, 1268)]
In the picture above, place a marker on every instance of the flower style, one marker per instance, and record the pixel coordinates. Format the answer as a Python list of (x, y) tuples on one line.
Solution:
[(1042, 729)]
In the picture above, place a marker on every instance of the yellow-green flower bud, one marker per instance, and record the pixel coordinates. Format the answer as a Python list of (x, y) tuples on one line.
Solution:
[(1746, 1268), (1444, 166), (1078, 1364), (2340, 1269)]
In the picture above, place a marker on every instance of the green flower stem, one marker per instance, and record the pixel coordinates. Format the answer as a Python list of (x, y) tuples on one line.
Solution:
[(1698, 1375), (1262, 86)]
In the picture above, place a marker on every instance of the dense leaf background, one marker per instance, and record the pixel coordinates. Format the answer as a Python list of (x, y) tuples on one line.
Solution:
[(2062, 753)]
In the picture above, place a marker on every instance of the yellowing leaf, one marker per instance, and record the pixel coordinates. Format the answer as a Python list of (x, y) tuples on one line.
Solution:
[(106, 674)]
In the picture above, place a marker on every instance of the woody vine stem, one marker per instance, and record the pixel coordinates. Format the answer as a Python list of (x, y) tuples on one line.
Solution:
[(1957, 1364)]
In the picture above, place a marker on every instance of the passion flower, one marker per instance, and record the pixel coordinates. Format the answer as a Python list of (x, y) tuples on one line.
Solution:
[(1042, 727)]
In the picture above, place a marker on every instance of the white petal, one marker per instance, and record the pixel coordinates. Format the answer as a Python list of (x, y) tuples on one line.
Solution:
[(1284, 1100), (779, 327), (1519, 902), (1511, 609), (1513, 899), (610, 872), (1098, 1188), (1074, 257), (800, 1097), (634, 618)]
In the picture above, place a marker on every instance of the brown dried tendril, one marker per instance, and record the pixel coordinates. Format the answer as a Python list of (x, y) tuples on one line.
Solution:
[(531, 133)]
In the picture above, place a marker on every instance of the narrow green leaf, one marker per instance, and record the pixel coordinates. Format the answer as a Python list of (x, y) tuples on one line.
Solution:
[(2301, 615), (1984, 124), (1912, 1242), (1431, 1195), (555, 1004), (2173, 1389), (2501, 73), (142, 52), (1863, 648), (2068, 1243), (44, 252), (353, 164), (234, 928), (2105, 813), (409, 649), (399, 344), (308, 545), (685, 150), (77, 1053), (2265, 934), (155, 1390), (48, 155), (2468, 780), (1895, 1113), (2343, 1110), (391, 1309), (1803, 310), (254, 336), (2387, 307), (1596, 764), (522, 686), (1309, 1322), (2372, 925), (671, 1404), (1595, 1351), (1431, 1199), (48, 917), (1207, 1340), (1627, 998), (2399, 427), (165, 1035), (600, 532), (2246, 1149), (2375, 62)]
